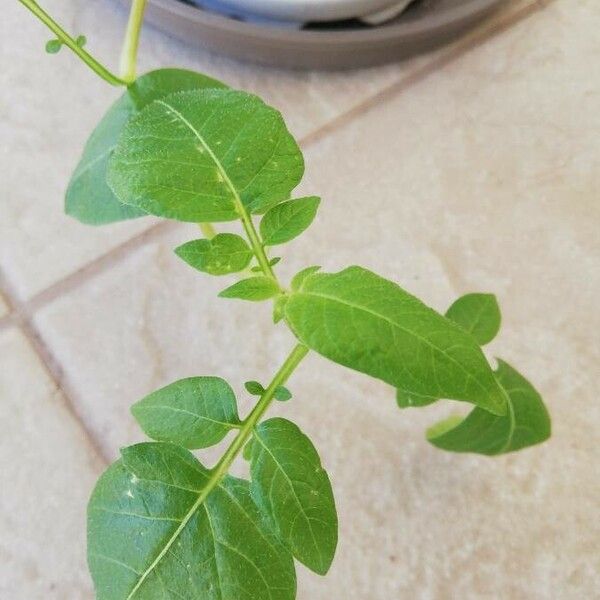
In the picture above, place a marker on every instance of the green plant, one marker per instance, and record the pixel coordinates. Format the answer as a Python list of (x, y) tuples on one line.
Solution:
[(183, 146)]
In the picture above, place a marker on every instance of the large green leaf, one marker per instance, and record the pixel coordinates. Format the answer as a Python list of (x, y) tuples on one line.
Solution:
[(526, 423), (204, 155), (224, 254), (288, 220), (406, 399), (479, 314), (88, 198), (196, 412), (154, 533), (365, 322), (291, 486)]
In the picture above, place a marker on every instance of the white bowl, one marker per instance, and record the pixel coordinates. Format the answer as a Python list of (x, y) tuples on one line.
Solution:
[(309, 10)]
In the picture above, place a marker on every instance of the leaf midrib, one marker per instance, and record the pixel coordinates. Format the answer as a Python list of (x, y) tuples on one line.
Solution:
[(512, 421), (396, 325), (167, 408), (212, 482), (205, 145), (291, 484)]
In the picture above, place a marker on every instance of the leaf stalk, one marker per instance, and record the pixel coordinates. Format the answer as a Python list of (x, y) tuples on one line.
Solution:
[(71, 43), (132, 40), (222, 467), (257, 245)]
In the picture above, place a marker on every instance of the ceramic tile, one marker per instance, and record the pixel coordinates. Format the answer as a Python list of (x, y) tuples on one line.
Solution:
[(52, 103), (4, 309), (418, 523), (47, 470), (308, 100), (498, 181), (164, 335), (48, 107), (481, 177)]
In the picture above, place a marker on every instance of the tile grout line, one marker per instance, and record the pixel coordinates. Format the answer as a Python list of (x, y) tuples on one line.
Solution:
[(114, 255), (21, 319), (81, 275), (21, 312)]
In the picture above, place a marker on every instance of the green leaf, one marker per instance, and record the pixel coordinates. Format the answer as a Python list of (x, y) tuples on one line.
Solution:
[(254, 388), (214, 152), (282, 394), (406, 399), (288, 220), (526, 423), (81, 41), (53, 46), (254, 289), (479, 314), (158, 529), (291, 486), (247, 451), (279, 308), (363, 321), (225, 253), (88, 198), (197, 412), (443, 426), (300, 276)]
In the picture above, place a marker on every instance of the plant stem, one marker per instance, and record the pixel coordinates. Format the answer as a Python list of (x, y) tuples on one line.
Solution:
[(257, 245), (70, 42), (132, 40), (208, 230), (253, 236), (286, 369), (222, 467)]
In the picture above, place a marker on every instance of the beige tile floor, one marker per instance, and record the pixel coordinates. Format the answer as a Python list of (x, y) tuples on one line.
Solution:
[(4, 308), (473, 168)]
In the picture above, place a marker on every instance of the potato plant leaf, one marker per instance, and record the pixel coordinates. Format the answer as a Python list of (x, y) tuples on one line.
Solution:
[(363, 321), (290, 485), (254, 387), (288, 220), (406, 399), (225, 253), (282, 394), (89, 198), (158, 527), (254, 289), (301, 275), (196, 412), (526, 423), (279, 308), (247, 451), (53, 46), (204, 156), (479, 314)]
